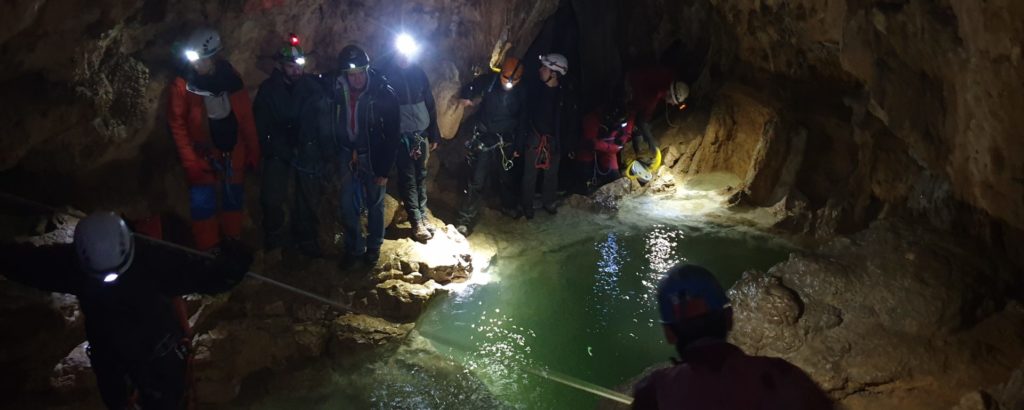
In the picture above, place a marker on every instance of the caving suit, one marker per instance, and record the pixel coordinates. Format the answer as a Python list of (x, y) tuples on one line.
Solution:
[(210, 118)]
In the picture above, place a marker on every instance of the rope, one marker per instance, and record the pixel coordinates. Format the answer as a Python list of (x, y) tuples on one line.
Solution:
[(545, 373)]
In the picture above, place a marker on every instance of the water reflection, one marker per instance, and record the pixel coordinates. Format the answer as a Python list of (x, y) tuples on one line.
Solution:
[(660, 247), (502, 352), (611, 258)]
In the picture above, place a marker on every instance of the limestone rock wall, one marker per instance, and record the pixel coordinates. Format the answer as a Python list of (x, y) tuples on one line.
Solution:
[(907, 105)]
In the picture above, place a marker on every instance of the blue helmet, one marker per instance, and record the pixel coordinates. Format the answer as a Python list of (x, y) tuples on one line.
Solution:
[(689, 291)]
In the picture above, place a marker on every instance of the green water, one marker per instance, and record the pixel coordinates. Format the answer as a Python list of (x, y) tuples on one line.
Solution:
[(571, 293), (581, 306)]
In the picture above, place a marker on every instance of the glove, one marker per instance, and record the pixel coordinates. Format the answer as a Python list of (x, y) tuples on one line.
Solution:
[(234, 259)]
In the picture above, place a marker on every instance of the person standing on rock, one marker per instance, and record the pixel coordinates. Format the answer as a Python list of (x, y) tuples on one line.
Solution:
[(356, 127), (125, 288), (276, 110), (210, 118), (711, 373), (419, 132), (492, 150), (544, 139)]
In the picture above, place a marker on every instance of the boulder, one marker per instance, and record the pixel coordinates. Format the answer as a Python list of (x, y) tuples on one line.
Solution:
[(404, 300), (360, 333), (866, 313)]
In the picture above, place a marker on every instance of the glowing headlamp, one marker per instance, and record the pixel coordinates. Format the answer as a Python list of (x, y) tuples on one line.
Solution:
[(508, 85), (407, 45), (191, 55), (300, 61), (110, 277), (624, 124)]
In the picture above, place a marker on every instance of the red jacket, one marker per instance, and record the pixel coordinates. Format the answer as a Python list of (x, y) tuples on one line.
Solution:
[(649, 86), (600, 145), (186, 115)]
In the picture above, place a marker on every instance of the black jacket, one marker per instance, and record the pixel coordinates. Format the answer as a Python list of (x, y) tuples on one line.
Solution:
[(324, 121), (411, 87), (131, 317), (501, 111), (553, 112), (276, 112)]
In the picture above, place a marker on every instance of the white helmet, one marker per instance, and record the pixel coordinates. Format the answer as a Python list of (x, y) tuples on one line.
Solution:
[(677, 93), (104, 245), (203, 43), (556, 62)]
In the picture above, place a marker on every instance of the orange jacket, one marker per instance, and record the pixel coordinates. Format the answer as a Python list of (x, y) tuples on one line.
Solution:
[(186, 115)]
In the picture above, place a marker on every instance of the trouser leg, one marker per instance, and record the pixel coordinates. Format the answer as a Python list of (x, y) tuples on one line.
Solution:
[(374, 200), (233, 199), (202, 210), (351, 207), (273, 198), (529, 183), (549, 189), (410, 180), (307, 201), (479, 164), (161, 382), (112, 382)]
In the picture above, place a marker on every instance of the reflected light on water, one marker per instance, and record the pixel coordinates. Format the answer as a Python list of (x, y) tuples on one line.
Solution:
[(502, 350), (659, 248), (611, 258)]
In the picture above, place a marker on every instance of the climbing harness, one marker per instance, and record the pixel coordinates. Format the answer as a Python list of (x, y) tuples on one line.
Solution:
[(506, 162), (414, 144), (477, 145), (543, 151)]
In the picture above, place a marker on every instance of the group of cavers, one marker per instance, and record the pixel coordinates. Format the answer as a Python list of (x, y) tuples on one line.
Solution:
[(356, 124)]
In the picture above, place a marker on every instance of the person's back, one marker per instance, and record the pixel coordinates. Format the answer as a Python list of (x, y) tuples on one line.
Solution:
[(125, 288), (712, 373), (718, 375)]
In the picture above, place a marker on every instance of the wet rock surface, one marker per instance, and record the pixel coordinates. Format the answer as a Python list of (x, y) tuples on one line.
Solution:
[(891, 311)]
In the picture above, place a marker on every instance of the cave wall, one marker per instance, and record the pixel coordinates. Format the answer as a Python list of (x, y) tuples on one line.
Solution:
[(908, 106)]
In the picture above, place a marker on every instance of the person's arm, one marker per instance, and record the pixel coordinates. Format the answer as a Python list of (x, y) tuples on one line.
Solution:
[(51, 268), (246, 127), (263, 115), (476, 88), (384, 159), (433, 133), (177, 120), (603, 145), (177, 272)]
